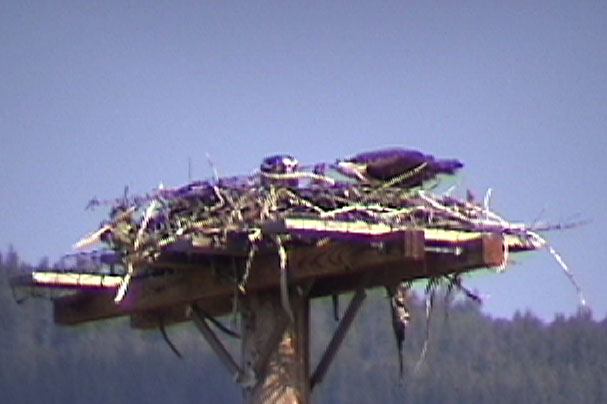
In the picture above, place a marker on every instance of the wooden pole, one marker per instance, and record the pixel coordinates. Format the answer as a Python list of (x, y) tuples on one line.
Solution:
[(275, 350)]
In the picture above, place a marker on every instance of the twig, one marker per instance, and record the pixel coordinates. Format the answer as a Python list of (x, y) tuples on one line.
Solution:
[(284, 287)]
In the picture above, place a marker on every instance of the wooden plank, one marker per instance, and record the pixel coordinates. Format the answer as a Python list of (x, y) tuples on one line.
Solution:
[(493, 249), (486, 251), (197, 279), (336, 229), (413, 243), (336, 267), (152, 319), (66, 280)]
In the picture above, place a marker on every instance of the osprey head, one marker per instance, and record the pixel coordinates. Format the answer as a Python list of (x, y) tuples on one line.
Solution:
[(279, 164)]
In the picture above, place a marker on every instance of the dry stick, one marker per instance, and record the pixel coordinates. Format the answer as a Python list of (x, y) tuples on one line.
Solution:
[(127, 278), (201, 225), (541, 242), (284, 286), (247, 268), (454, 280), (347, 209), (487, 199), (301, 201), (383, 212), (124, 284), (442, 208), (490, 221), (400, 178), (400, 317), (406, 175), (254, 238), (213, 168), (221, 203), (94, 237), (502, 266), (559, 226), (429, 306), (168, 341), (569, 274), (299, 175), (220, 326)]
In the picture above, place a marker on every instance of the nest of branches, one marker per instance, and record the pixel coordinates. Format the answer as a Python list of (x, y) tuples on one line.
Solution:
[(364, 199), (140, 228)]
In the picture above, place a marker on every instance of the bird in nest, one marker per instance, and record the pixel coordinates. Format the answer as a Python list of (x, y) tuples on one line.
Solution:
[(280, 169), (396, 167)]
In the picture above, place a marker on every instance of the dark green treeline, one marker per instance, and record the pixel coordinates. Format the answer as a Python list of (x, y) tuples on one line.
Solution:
[(471, 358)]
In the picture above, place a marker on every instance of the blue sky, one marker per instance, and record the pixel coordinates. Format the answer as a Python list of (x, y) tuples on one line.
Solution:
[(98, 95)]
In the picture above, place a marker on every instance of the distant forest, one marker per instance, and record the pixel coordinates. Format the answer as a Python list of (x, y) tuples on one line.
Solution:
[(471, 357)]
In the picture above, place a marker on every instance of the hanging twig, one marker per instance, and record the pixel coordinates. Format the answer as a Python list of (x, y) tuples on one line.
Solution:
[(284, 286), (168, 341), (429, 307)]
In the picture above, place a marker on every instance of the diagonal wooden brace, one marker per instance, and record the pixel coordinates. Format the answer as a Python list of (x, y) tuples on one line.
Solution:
[(339, 335), (215, 343)]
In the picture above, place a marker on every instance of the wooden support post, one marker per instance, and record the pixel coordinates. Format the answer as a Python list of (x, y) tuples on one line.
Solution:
[(275, 351)]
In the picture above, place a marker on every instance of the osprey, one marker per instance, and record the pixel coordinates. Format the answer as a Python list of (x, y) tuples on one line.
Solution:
[(279, 164), (273, 167), (397, 166)]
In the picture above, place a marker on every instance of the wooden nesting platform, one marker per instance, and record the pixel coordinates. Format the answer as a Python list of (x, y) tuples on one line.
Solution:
[(192, 273), (193, 280)]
